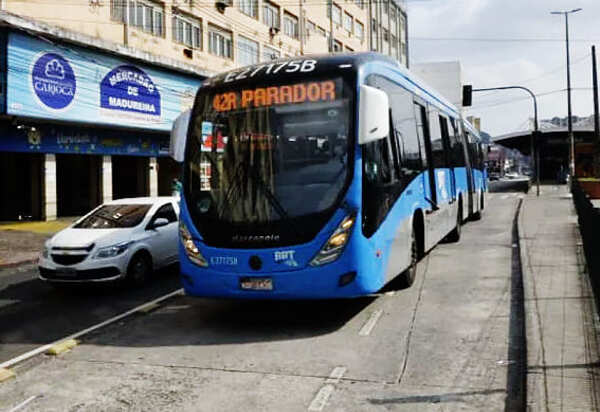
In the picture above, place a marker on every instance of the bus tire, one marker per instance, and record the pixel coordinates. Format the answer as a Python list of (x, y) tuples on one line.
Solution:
[(477, 215), (407, 278), (454, 236)]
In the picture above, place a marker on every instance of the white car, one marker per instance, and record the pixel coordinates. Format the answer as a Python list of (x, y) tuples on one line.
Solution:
[(125, 239)]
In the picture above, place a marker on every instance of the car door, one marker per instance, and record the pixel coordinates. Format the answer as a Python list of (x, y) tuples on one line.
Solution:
[(163, 239)]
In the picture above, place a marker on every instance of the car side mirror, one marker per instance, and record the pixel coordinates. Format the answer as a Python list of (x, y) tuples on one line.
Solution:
[(373, 117), (160, 222), (179, 136)]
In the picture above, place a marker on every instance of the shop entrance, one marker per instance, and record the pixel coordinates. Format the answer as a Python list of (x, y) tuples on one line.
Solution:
[(130, 177), (168, 170), (78, 184), (21, 183)]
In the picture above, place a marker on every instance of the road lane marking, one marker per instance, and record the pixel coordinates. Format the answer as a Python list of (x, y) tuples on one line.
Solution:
[(24, 403), (368, 327), (76, 335), (322, 397)]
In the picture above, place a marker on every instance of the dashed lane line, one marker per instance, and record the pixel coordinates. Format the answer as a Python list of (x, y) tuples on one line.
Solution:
[(368, 327), (24, 403), (44, 348), (322, 397)]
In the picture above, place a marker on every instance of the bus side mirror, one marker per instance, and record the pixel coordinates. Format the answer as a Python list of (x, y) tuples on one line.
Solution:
[(179, 136), (373, 116)]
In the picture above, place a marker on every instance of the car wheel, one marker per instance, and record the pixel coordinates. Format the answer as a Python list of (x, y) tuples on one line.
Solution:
[(138, 269)]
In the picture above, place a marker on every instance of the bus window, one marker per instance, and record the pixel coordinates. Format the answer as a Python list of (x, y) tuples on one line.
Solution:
[(422, 132), (457, 149), (446, 140), (438, 155)]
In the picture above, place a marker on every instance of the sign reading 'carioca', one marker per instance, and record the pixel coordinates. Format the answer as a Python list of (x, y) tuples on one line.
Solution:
[(127, 91)]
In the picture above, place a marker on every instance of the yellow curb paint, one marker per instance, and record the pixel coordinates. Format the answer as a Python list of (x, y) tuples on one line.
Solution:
[(6, 374), (149, 308), (62, 347)]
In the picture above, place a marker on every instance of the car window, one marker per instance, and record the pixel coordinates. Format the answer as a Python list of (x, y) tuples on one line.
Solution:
[(166, 212), (114, 216)]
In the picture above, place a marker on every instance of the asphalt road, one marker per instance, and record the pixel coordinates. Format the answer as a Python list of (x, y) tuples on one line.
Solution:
[(33, 313), (442, 344)]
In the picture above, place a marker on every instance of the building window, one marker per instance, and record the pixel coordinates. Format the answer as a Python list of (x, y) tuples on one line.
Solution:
[(290, 25), (144, 15), (187, 31), (270, 15), (337, 14), (249, 7), (247, 51), (386, 6), (220, 42), (348, 23), (374, 37), (360, 3), (360, 30), (269, 54)]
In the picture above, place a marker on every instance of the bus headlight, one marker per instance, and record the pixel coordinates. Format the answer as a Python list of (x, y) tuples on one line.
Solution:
[(191, 250), (334, 246)]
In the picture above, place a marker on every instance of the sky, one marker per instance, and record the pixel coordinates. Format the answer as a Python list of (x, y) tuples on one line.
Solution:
[(510, 43)]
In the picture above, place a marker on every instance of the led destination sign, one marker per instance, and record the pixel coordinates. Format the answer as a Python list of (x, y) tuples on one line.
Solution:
[(275, 95)]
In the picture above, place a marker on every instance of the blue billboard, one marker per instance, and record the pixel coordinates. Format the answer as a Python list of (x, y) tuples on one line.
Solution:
[(70, 83)]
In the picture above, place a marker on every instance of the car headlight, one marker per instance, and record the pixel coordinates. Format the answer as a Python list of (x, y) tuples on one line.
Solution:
[(191, 250), (46, 251), (334, 246), (112, 251)]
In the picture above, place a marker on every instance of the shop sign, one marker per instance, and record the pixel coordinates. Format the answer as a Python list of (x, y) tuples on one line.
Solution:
[(129, 92), (53, 81)]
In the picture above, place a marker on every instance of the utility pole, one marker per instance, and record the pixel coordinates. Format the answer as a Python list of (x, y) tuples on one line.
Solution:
[(301, 28), (595, 88), (569, 119)]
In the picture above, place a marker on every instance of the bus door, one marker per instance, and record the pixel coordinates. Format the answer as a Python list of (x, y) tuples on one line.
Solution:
[(429, 176), (469, 165), (444, 127)]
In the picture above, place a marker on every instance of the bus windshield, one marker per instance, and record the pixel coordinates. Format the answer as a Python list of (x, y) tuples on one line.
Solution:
[(261, 155)]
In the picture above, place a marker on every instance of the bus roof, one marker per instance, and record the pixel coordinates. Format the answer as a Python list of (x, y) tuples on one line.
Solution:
[(327, 63)]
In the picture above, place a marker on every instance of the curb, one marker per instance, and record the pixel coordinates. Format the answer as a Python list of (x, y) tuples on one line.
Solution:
[(19, 263), (537, 395)]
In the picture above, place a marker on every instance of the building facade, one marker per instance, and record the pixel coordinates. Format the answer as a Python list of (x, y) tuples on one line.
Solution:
[(218, 35)]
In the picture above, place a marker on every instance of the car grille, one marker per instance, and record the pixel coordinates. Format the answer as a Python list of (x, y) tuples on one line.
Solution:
[(67, 260), (91, 274)]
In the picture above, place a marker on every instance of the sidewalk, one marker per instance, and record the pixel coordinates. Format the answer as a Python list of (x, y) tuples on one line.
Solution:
[(561, 319), (22, 242)]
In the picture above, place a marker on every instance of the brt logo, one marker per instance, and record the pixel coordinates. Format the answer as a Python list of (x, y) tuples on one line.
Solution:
[(286, 257)]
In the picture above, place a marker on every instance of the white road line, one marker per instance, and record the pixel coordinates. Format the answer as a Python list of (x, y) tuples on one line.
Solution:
[(24, 403), (321, 398), (368, 327), (76, 335)]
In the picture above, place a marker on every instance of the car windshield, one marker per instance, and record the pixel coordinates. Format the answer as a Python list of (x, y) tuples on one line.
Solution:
[(114, 217), (267, 154)]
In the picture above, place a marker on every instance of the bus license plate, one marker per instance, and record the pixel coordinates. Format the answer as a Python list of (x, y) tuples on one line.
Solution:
[(256, 283)]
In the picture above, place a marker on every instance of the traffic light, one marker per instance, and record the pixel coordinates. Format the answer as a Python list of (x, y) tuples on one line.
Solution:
[(467, 95)]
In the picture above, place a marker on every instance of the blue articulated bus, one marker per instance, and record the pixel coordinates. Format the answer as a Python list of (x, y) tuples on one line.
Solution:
[(320, 177)]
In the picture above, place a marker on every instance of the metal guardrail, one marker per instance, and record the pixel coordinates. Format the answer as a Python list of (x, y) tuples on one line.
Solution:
[(588, 217)]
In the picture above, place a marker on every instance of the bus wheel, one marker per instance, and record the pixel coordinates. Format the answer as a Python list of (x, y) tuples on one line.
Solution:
[(407, 278), (454, 236)]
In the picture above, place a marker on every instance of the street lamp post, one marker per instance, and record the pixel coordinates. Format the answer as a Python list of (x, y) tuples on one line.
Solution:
[(536, 128), (569, 119)]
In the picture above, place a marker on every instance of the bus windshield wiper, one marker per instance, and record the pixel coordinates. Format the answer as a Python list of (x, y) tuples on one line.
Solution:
[(274, 201)]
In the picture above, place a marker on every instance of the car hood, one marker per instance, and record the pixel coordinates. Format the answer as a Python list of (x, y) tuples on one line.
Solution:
[(85, 237)]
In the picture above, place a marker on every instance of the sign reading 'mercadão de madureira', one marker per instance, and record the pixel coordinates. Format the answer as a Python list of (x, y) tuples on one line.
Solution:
[(129, 92)]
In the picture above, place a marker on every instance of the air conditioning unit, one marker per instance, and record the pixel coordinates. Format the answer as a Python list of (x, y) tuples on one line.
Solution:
[(189, 53), (273, 31), (221, 5)]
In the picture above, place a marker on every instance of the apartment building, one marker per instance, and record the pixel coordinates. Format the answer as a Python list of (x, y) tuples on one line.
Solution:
[(219, 35)]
